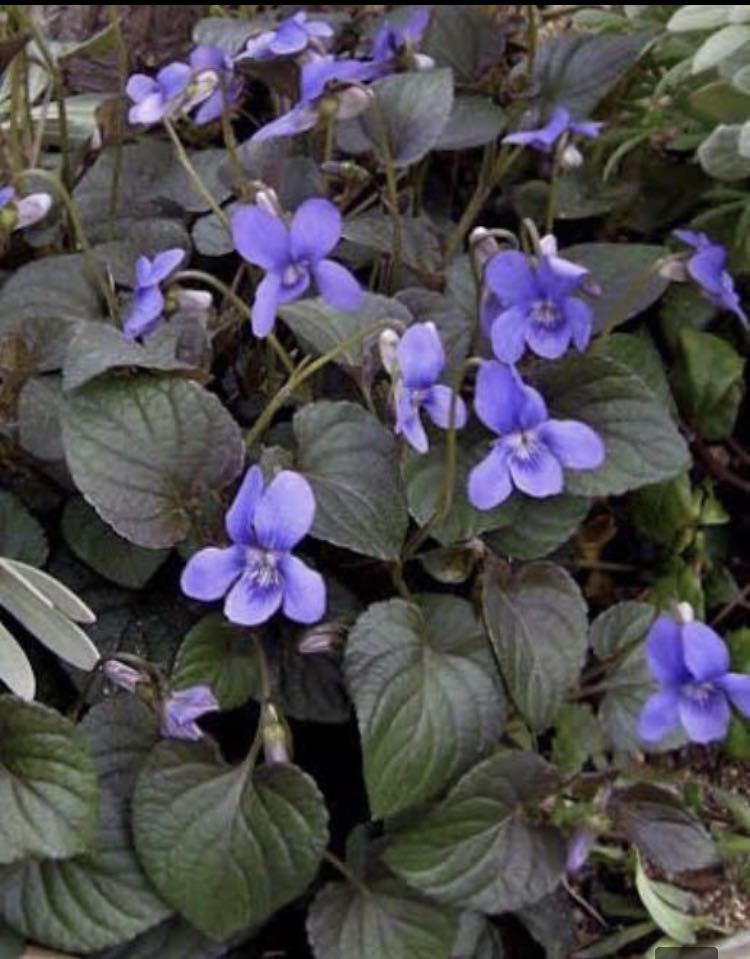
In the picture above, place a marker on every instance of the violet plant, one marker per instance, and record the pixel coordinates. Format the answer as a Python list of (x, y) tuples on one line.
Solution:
[(363, 441)]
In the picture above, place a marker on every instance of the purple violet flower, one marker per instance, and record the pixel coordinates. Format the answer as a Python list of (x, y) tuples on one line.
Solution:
[(691, 664), (258, 573), (148, 300), (25, 210), (182, 708), (7, 195), (156, 98), (533, 305), (122, 675), (579, 847), (707, 266), (532, 449), (319, 77), (420, 361), (392, 40), (293, 256), (293, 35), (207, 60), (545, 138)]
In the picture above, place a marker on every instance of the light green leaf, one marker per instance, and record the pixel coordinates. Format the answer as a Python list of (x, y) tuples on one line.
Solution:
[(537, 621), (351, 461), (32, 606), (477, 848), (670, 920), (708, 383), (97, 545), (48, 788), (699, 16), (578, 737), (719, 46), (410, 114), (21, 535), (147, 452), (221, 655), (101, 898), (15, 668), (258, 834), (720, 154), (385, 921), (641, 441), (421, 677)]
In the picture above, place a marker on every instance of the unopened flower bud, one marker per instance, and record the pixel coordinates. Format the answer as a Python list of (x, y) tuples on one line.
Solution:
[(126, 677), (674, 269), (548, 245), (388, 347), (571, 157), (193, 302), (352, 101), (423, 62), (321, 639), (275, 742), (346, 170), (32, 208), (267, 199), (684, 612), (579, 849), (483, 245)]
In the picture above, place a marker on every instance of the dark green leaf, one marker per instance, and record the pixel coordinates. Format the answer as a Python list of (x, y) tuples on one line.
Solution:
[(638, 352), (388, 922), (102, 898), (199, 824), (477, 848), (578, 737), (421, 677), (477, 938), (539, 526), (420, 240), (172, 939), (552, 922), (537, 621), (145, 238), (664, 510), (473, 122), (628, 277), (351, 461), (47, 784), (21, 535), (39, 405), (708, 383), (465, 38), (221, 655), (663, 830), (641, 441), (620, 627), (410, 114), (147, 451), (97, 545)]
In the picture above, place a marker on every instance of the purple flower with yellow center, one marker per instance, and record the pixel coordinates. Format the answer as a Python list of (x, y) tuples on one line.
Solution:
[(148, 300), (420, 359), (181, 710), (214, 63), (708, 267), (320, 77), (292, 36), (157, 97), (293, 257), (545, 138), (393, 40), (533, 305), (258, 573), (690, 662), (532, 449)]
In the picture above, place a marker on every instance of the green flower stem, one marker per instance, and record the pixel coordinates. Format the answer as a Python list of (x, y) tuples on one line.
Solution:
[(304, 371), (264, 675), (188, 167), (122, 72), (66, 174), (347, 873), (80, 236), (490, 175), (391, 185)]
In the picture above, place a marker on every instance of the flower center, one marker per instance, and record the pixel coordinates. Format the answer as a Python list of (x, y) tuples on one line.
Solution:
[(293, 273), (262, 568), (699, 693), (545, 312), (524, 444)]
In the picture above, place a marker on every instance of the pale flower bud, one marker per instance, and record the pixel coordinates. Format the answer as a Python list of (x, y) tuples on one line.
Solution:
[(193, 302), (321, 639), (571, 157), (388, 346), (275, 744), (353, 101), (423, 62), (267, 199), (684, 612), (126, 677), (31, 209), (548, 245), (483, 245), (674, 269)]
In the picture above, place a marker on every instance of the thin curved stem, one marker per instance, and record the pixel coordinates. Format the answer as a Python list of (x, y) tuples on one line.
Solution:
[(59, 89), (188, 167)]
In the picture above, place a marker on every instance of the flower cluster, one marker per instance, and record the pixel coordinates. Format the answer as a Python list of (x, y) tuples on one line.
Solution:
[(293, 257), (690, 662), (258, 573)]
